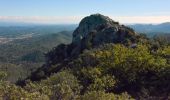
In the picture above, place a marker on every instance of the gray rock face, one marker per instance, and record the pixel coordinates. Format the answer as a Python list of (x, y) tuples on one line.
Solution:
[(98, 29), (89, 24)]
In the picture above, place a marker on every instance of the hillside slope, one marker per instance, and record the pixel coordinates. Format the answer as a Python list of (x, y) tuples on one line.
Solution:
[(107, 58), (14, 51), (20, 57), (93, 31)]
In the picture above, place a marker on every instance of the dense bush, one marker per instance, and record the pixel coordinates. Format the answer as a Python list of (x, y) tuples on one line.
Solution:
[(99, 95), (127, 69), (62, 85), (103, 73)]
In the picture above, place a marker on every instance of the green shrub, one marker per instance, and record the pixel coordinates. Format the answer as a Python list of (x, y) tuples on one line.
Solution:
[(99, 95)]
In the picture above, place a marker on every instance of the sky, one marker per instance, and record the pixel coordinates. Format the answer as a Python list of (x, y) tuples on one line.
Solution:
[(72, 11)]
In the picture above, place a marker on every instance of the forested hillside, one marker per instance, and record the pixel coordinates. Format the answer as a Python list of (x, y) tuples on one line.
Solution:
[(22, 55), (16, 50), (104, 61)]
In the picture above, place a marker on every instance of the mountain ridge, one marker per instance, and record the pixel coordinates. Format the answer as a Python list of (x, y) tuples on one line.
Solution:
[(151, 28), (104, 30)]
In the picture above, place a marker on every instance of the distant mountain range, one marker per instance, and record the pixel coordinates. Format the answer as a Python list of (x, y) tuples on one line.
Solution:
[(150, 28), (8, 23), (140, 28)]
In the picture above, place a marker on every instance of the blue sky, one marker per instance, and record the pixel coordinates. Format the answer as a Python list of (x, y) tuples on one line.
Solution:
[(72, 11)]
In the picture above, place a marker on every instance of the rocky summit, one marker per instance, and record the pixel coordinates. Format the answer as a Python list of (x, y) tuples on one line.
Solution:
[(102, 28), (89, 24), (92, 31)]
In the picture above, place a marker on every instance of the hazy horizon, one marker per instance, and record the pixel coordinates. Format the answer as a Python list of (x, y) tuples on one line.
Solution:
[(71, 12)]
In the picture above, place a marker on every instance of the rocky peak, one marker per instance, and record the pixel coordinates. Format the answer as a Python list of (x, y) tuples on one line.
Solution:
[(89, 23), (92, 31)]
